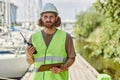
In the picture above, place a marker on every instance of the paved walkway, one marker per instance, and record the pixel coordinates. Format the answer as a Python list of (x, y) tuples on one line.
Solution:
[(80, 70)]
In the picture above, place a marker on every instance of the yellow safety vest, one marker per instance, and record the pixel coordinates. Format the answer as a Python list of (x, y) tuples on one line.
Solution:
[(54, 53)]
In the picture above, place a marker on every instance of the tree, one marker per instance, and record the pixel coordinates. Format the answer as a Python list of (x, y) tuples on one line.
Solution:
[(109, 8), (87, 22), (102, 41), (109, 44)]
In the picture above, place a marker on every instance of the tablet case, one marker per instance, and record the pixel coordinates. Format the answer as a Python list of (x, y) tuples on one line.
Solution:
[(46, 67)]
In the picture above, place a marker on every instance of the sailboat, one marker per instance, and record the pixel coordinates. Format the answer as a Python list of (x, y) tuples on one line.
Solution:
[(12, 66), (13, 62)]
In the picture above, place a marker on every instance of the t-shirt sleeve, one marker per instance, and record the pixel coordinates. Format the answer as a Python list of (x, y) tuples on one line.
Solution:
[(70, 47)]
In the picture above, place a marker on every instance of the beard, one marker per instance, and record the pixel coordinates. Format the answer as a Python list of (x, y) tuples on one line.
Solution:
[(49, 24)]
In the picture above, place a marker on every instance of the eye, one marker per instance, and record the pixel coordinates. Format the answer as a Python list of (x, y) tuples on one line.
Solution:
[(51, 17), (45, 17)]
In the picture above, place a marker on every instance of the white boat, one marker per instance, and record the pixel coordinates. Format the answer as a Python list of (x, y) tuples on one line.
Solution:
[(13, 62), (12, 48), (13, 66)]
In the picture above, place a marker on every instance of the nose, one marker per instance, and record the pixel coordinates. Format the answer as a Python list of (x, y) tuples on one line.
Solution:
[(48, 19)]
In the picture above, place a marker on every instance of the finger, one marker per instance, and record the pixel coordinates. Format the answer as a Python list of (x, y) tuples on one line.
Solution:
[(56, 70), (30, 50), (53, 70)]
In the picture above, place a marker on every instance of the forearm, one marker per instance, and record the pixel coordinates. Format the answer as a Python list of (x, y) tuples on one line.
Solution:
[(68, 63), (70, 52), (30, 59)]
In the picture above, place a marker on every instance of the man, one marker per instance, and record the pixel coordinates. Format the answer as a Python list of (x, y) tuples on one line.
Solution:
[(52, 46)]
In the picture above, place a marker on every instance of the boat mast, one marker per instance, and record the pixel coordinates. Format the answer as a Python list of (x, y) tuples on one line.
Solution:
[(7, 13), (2, 12)]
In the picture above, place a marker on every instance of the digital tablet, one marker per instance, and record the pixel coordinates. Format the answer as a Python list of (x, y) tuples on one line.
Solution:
[(46, 67)]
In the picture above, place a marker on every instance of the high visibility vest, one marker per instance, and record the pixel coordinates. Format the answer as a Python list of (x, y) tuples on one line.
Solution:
[(54, 53)]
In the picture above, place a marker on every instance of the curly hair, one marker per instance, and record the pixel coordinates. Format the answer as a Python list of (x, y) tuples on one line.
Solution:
[(57, 23)]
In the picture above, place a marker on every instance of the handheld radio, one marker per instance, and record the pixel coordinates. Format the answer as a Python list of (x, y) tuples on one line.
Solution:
[(29, 44)]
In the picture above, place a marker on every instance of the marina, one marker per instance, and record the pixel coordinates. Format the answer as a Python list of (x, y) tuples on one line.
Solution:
[(13, 64), (12, 56)]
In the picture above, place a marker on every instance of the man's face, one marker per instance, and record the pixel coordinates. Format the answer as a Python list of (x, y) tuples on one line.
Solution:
[(49, 19)]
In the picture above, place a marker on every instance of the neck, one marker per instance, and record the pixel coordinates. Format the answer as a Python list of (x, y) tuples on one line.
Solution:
[(49, 30)]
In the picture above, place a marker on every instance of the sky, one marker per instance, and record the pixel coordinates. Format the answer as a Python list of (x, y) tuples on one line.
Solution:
[(69, 8)]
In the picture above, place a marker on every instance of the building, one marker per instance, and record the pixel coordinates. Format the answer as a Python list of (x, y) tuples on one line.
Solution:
[(20, 11), (27, 10), (7, 12)]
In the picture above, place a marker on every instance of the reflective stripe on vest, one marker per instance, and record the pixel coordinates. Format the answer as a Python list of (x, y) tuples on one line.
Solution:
[(55, 53), (51, 58)]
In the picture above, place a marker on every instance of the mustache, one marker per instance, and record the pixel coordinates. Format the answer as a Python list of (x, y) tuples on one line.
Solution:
[(48, 22)]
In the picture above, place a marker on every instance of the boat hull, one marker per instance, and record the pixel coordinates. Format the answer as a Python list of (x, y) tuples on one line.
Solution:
[(12, 65)]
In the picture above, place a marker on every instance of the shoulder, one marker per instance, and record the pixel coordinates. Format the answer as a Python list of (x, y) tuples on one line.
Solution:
[(58, 30), (36, 33), (68, 36), (62, 31)]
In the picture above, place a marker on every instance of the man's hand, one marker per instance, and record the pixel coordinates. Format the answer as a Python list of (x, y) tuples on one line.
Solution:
[(57, 69), (30, 51)]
